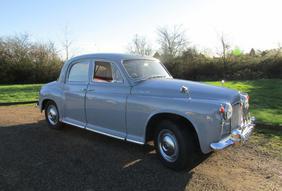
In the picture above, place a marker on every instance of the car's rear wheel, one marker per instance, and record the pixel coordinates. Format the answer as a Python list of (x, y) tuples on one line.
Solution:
[(174, 144), (52, 115)]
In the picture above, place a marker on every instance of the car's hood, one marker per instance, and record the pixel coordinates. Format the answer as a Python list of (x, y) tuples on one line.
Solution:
[(196, 90)]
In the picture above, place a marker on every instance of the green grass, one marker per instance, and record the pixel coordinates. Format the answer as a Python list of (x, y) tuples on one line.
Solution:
[(265, 98), (19, 93)]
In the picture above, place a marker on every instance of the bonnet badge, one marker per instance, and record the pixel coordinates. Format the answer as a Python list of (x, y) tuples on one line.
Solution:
[(184, 89)]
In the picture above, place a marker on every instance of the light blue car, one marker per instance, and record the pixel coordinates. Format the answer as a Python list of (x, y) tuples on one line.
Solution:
[(135, 99)]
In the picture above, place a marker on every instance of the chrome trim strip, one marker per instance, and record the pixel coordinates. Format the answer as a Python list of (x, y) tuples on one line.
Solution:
[(133, 141), (102, 133), (109, 135), (70, 123)]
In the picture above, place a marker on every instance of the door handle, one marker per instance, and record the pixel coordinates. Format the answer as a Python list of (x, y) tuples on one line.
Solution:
[(83, 89), (91, 90)]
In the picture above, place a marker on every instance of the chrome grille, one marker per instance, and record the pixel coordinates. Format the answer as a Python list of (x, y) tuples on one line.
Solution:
[(237, 116)]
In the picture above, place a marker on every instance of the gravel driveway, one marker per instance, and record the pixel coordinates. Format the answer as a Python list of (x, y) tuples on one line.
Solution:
[(34, 157)]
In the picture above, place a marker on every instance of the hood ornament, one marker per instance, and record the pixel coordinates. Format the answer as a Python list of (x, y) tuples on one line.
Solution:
[(184, 90)]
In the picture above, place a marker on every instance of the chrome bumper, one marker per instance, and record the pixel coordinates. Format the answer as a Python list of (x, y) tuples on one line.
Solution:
[(237, 136)]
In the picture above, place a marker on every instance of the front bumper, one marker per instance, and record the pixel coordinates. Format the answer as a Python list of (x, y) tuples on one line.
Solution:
[(237, 136)]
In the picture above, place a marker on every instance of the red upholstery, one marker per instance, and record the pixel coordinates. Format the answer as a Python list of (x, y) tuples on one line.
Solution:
[(102, 79)]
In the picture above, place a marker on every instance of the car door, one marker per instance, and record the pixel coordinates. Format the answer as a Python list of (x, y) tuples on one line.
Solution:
[(75, 87), (106, 100)]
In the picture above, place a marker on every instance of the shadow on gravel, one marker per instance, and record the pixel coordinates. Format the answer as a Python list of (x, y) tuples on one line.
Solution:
[(34, 157)]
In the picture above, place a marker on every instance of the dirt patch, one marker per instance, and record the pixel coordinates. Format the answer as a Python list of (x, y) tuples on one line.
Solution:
[(18, 115), (34, 157)]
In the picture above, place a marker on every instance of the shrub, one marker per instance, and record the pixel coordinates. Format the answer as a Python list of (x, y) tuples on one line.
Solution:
[(23, 61), (196, 66)]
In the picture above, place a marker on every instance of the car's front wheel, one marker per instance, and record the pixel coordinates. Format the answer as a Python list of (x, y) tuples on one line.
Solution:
[(52, 115), (174, 144)]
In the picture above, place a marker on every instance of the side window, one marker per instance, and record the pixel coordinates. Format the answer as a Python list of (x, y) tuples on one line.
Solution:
[(79, 72), (105, 72)]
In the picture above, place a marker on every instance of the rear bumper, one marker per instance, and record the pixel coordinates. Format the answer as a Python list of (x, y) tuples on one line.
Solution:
[(237, 137)]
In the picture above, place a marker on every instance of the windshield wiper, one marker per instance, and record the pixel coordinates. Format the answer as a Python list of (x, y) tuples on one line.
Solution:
[(151, 77)]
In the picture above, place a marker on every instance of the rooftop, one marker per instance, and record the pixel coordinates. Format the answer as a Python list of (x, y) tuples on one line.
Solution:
[(113, 56)]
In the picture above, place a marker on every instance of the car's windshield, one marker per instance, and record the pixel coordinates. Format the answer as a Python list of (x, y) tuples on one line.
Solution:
[(144, 69)]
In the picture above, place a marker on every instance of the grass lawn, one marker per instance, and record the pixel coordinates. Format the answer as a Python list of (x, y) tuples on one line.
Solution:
[(19, 93), (265, 96)]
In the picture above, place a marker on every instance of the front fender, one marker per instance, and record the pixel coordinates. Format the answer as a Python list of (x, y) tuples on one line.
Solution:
[(202, 114)]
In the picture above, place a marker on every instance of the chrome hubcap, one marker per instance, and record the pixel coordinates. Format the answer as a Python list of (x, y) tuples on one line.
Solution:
[(168, 145), (52, 114)]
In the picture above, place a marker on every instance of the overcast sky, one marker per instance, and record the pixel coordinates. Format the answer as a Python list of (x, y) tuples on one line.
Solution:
[(108, 26)]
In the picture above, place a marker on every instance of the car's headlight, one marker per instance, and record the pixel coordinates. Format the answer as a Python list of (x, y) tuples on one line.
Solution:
[(226, 111)]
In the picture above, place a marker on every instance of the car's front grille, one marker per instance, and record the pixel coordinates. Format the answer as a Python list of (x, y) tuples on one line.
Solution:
[(237, 116)]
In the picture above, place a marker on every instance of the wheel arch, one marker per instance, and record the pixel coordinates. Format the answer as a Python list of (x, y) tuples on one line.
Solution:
[(45, 101), (179, 119)]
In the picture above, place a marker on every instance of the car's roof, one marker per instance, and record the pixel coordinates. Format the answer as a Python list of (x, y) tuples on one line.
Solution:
[(112, 56)]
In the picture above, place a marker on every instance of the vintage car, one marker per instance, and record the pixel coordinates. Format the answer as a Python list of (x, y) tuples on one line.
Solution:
[(134, 98)]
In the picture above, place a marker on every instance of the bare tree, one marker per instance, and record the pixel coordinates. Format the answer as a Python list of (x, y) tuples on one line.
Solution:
[(18, 45), (139, 45), (67, 42), (225, 48), (173, 41)]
